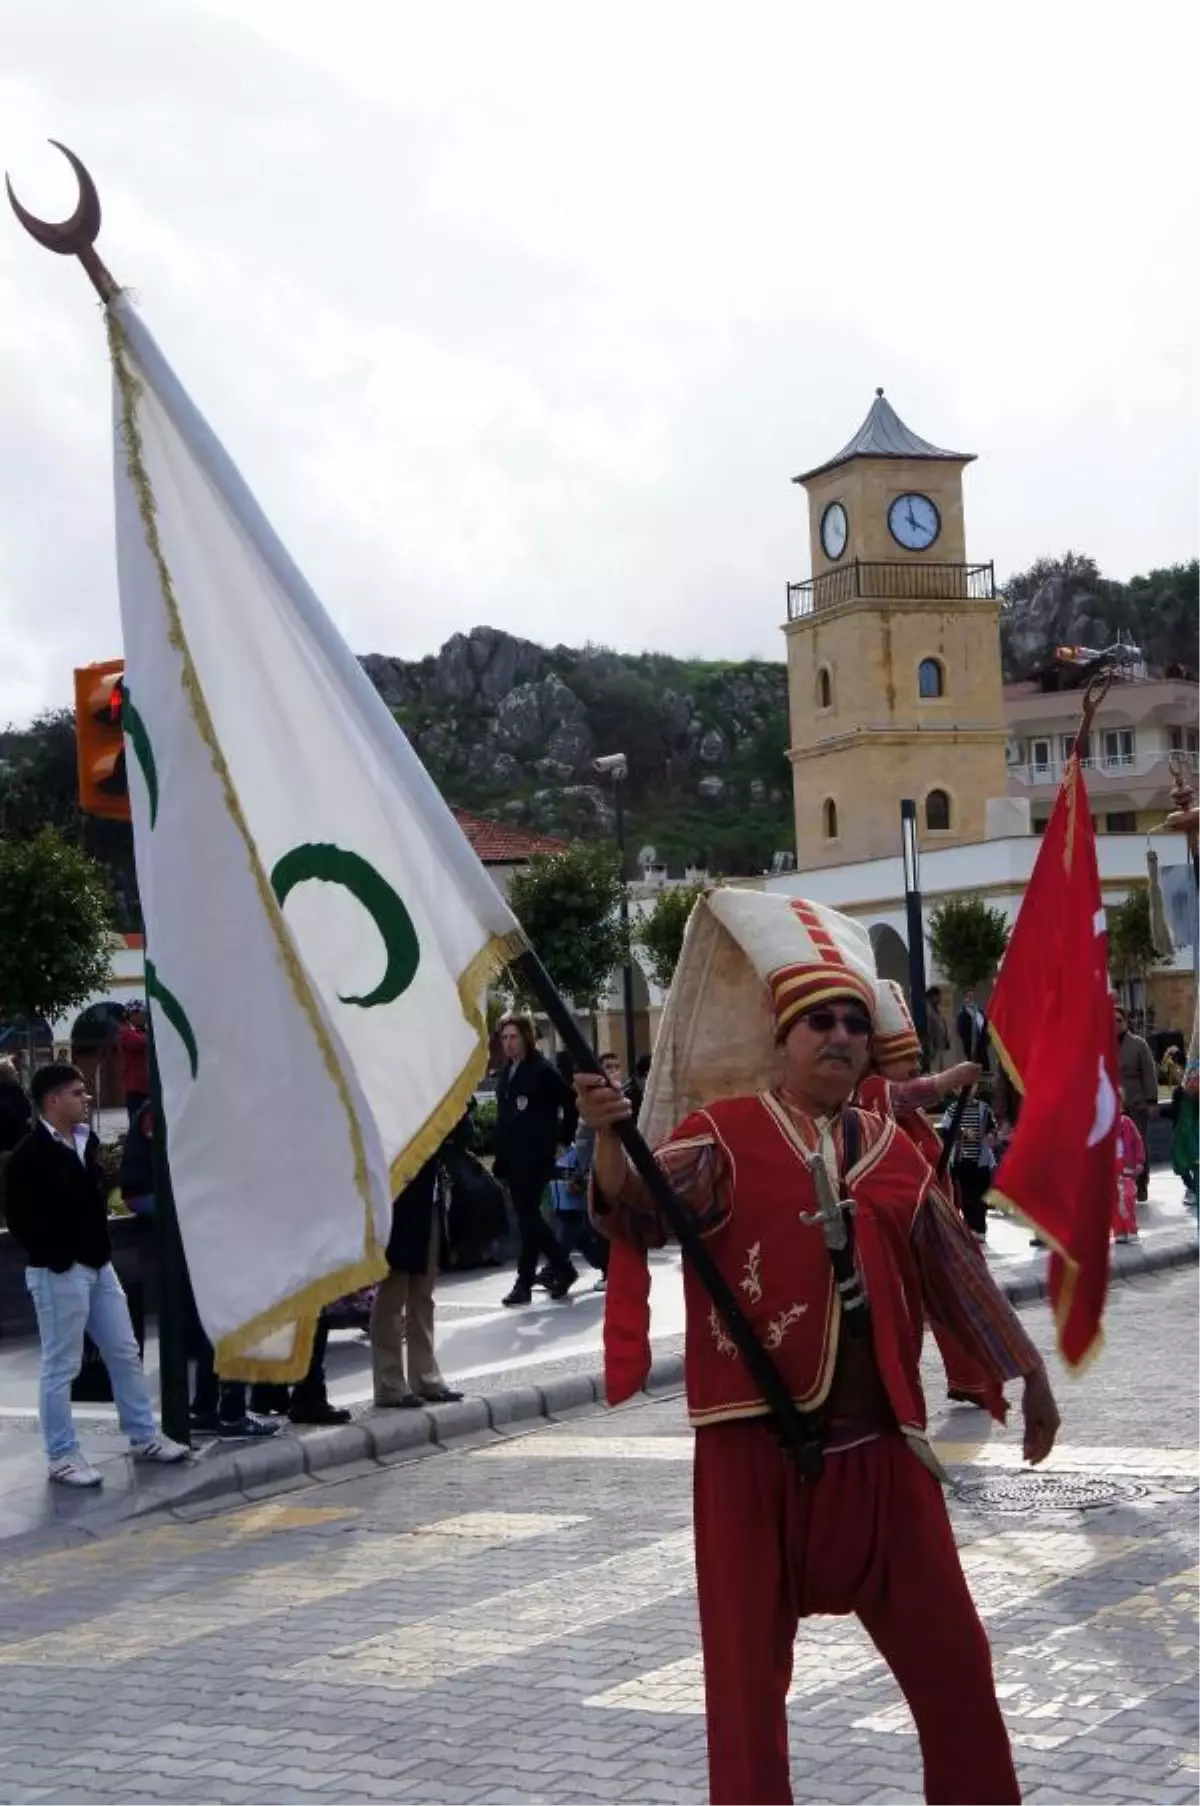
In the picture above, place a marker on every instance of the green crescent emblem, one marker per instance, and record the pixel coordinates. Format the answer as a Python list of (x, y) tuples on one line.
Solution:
[(139, 739), (333, 865), (175, 1014)]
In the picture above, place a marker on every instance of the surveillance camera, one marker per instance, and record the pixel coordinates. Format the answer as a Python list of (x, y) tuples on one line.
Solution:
[(613, 765)]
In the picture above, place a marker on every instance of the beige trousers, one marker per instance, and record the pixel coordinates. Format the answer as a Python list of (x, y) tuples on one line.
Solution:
[(403, 1313)]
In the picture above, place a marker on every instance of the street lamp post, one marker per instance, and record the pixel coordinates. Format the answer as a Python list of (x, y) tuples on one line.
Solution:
[(916, 930), (616, 767)]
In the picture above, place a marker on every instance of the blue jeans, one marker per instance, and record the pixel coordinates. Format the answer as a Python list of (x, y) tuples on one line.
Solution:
[(67, 1304)]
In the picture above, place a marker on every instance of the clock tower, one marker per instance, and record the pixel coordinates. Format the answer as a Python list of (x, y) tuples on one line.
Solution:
[(894, 686)]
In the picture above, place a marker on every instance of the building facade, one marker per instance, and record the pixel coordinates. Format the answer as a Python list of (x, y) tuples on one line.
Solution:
[(1144, 729)]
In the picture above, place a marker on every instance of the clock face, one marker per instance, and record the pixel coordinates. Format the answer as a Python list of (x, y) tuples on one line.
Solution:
[(914, 522), (835, 530)]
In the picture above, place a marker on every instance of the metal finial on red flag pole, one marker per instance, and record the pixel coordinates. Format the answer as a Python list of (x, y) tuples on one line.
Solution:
[(76, 236)]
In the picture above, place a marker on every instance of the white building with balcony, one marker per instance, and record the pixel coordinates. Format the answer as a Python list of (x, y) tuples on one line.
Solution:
[(1142, 728)]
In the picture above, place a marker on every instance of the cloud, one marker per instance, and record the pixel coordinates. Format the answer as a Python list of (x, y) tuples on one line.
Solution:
[(527, 314)]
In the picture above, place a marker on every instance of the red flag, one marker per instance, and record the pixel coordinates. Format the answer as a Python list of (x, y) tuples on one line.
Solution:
[(1051, 1018)]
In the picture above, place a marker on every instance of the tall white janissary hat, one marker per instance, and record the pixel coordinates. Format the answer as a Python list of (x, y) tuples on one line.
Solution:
[(752, 961), (896, 1044)]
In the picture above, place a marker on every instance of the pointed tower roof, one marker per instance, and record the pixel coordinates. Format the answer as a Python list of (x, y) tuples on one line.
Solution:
[(884, 435)]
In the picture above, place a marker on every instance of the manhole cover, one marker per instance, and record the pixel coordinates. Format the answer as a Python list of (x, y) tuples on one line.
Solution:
[(1017, 1493)]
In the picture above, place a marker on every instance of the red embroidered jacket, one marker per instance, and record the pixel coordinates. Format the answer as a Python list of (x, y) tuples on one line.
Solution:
[(739, 1167)]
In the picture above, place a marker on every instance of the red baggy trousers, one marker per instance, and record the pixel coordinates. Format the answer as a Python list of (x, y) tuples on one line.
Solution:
[(871, 1536)]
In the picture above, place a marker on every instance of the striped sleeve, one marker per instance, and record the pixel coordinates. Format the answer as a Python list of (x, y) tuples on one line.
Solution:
[(962, 1297), (698, 1169)]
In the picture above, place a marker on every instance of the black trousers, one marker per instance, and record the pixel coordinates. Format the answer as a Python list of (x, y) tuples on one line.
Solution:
[(538, 1240), (973, 1183), (228, 1397)]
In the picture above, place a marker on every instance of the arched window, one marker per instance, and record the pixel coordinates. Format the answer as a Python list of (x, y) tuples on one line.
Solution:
[(931, 678), (824, 688), (829, 820), (937, 811)]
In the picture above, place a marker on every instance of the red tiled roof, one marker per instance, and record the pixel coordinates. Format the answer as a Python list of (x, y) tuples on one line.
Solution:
[(499, 843)]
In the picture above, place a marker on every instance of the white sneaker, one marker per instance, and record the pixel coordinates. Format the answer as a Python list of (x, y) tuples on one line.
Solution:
[(73, 1470), (160, 1448)]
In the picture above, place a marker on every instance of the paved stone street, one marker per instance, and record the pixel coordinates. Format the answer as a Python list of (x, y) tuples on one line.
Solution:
[(515, 1620)]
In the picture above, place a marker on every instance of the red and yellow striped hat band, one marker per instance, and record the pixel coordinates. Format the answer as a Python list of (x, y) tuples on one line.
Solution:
[(806, 954), (896, 1045), (803, 987)]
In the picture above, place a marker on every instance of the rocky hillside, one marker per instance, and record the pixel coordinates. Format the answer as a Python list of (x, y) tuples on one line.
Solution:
[(1068, 602), (510, 728)]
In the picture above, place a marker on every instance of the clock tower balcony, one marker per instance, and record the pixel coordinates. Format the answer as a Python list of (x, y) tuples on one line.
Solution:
[(891, 580)]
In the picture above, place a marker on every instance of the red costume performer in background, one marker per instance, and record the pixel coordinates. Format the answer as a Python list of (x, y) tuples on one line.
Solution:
[(871, 1535), (897, 1088)]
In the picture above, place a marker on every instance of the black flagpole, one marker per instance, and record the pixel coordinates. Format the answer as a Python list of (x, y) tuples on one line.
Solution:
[(172, 1283)]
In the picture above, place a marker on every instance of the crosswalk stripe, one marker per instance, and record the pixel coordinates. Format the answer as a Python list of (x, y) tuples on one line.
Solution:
[(130, 1631), (133, 1551), (1002, 1571), (509, 1625), (1066, 1459)]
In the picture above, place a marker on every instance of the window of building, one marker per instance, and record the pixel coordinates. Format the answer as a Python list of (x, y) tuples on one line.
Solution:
[(937, 811), (1183, 739), (829, 820), (1120, 821), (824, 688), (1039, 823), (1067, 746), (1041, 757), (1118, 748), (931, 678)]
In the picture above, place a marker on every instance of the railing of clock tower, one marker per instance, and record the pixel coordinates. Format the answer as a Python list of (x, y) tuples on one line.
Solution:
[(889, 579)]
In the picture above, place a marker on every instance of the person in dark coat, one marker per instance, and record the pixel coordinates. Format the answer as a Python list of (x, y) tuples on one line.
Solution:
[(135, 1176), (402, 1314), (16, 1111), (972, 1033), (535, 1116)]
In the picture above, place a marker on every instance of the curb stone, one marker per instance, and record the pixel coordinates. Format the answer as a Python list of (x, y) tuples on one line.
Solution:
[(383, 1438)]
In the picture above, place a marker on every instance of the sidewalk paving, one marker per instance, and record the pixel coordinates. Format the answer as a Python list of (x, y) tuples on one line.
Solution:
[(515, 1366)]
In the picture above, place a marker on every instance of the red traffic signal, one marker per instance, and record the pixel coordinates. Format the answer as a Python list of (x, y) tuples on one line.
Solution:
[(100, 740)]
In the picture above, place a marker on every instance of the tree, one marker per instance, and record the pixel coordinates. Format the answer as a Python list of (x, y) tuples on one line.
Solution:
[(1131, 949), (55, 926), (39, 784), (568, 904), (661, 932), (968, 940)]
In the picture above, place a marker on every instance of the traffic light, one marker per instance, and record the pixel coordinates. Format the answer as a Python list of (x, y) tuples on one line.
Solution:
[(100, 740)]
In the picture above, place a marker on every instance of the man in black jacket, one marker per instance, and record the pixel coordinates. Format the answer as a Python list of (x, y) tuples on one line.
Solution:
[(56, 1205), (535, 1116)]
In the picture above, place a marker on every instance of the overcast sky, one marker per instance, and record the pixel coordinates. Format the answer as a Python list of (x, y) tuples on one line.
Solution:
[(525, 314)]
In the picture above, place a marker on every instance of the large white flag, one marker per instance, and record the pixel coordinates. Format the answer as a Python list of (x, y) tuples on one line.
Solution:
[(319, 933)]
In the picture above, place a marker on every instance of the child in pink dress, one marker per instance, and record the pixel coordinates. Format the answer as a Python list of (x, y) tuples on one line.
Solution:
[(1131, 1156)]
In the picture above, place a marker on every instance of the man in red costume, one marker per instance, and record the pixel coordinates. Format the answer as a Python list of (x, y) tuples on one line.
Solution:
[(766, 1034)]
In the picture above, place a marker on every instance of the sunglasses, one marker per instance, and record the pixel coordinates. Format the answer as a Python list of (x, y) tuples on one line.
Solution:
[(823, 1022)]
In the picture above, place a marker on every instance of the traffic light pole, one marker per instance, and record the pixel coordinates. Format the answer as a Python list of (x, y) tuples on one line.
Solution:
[(172, 1273)]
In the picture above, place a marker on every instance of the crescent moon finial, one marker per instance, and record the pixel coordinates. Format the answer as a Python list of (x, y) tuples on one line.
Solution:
[(76, 236)]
